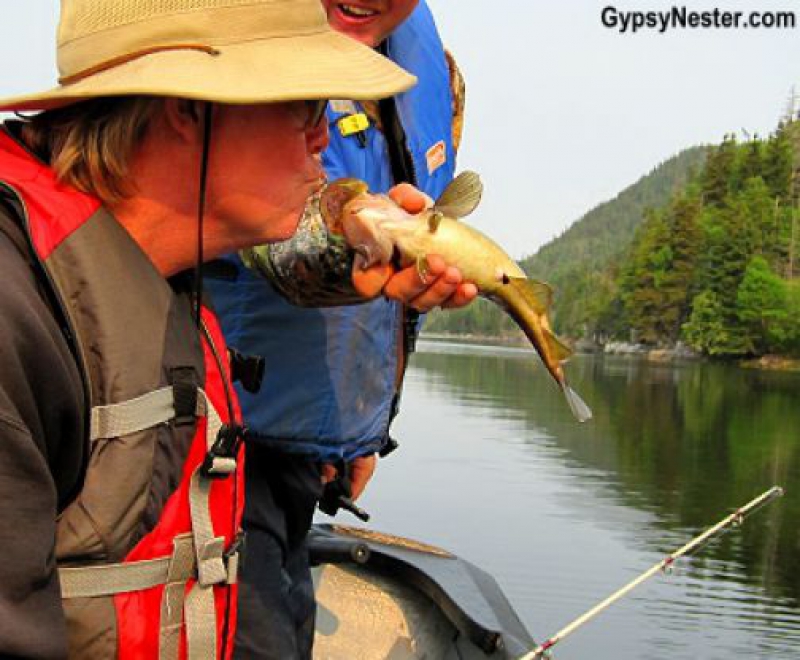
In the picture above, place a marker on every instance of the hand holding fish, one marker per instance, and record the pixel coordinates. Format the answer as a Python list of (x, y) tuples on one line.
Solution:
[(441, 286)]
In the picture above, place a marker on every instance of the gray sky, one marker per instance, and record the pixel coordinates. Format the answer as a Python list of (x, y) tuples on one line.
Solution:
[(562, 112)]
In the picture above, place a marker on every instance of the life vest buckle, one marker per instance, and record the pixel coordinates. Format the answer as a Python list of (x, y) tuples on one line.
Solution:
[(247, 370), (220, 460)]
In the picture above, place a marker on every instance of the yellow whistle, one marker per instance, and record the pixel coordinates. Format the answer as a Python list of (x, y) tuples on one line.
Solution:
[(352, 124)]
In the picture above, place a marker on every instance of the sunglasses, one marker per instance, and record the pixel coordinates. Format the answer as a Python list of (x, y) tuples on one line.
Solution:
[(316, 111)]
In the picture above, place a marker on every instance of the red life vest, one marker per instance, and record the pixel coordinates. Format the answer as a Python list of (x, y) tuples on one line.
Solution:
[(147, 552)]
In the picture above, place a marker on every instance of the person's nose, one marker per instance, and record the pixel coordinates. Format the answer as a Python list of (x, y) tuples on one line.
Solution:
[(317, 137)]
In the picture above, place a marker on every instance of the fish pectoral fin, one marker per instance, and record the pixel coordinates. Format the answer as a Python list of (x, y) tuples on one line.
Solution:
[(538, 295), (461, 197), (558, 349), (422, 268), (434, 221), (577, 405)]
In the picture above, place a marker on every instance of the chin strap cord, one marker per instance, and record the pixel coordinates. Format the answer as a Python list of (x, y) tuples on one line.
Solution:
[(201, 208)]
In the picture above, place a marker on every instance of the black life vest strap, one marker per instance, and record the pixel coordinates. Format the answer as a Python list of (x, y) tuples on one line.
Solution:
[(399, 156)]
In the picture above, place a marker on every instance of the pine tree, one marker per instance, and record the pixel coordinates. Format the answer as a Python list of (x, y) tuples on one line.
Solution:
[(717, 175), (641, 286), (778, 163), (684, 241), (706, 330), (761, 306), (750, 162)]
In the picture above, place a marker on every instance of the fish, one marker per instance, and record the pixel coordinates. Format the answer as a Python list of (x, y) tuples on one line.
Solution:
[(365, 229), (380, 231)]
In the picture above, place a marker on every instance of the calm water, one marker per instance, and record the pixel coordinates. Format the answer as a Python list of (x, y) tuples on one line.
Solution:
[(493, 467)]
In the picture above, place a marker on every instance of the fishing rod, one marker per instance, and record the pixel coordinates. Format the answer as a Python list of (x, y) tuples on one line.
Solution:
[(736, 518)]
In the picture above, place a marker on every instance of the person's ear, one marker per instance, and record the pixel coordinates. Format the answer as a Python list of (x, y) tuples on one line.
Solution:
[(184, 118)]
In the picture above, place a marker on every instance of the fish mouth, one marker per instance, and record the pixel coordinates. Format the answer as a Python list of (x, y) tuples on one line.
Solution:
[(335, 197)]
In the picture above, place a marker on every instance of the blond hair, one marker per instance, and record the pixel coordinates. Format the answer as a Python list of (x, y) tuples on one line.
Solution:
[(89, 145)]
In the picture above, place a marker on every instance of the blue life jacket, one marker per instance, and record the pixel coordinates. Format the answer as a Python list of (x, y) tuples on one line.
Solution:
[(330, 373)]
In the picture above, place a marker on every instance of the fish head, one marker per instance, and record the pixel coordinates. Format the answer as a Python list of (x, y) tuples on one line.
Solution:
[(369, 225), (335, 197)]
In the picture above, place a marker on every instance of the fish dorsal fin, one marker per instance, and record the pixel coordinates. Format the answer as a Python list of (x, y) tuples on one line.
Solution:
[(461, 197), (538, 295), (558, 349)]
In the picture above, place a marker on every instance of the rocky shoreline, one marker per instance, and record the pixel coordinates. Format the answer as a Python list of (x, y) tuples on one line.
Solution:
[(491, 340), (661, 354), (678, 353)]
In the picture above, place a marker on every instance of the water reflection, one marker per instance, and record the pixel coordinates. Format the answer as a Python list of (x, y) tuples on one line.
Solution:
[(564, 513)]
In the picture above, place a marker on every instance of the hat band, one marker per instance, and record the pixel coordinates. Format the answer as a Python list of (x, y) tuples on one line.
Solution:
[(221, 27), (124, 59)]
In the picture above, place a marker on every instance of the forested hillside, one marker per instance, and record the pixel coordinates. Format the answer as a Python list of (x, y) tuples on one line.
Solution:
[(576, 262), (716, 267), (703, 253)]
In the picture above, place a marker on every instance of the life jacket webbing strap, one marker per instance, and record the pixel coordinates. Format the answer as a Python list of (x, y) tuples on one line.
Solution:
[(173, 598), (201, 624), (110, 579), (209, 549), (143, 412)]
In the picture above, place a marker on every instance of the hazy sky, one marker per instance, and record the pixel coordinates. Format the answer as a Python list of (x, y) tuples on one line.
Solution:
[(562, 112)]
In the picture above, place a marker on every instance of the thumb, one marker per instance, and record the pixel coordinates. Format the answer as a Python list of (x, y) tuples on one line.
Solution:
[(410, 198)]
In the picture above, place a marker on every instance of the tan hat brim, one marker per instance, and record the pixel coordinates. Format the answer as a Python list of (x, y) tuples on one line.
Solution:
[(322, 65)]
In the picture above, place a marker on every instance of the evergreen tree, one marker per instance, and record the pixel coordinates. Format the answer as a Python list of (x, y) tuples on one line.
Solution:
[(727, 246), (684, 242), (762, 308), (718, 173), (750, 162), (643, 285), (706, 331), (778, 163), (791, 327)]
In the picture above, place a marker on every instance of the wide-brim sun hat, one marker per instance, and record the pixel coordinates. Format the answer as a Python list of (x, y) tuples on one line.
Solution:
[(228, 51)]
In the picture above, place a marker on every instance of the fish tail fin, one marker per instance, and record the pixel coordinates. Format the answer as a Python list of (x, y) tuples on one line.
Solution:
[(577, 405)]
